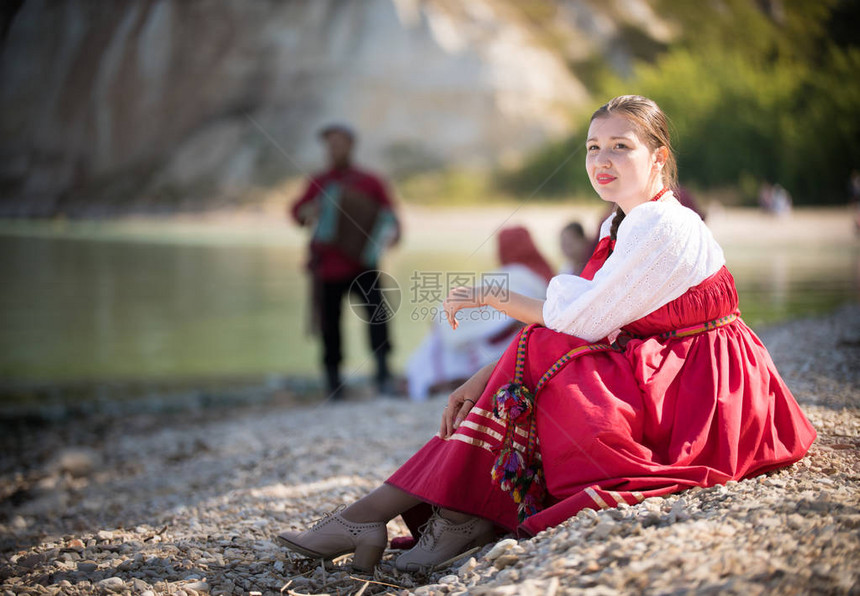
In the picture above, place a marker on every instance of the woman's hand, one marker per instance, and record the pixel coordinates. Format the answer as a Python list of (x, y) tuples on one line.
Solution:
[(517, 306), (463, 399), (459, 298)]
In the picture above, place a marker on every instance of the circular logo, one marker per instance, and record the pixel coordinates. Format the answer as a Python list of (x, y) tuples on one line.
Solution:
[(374, 296)]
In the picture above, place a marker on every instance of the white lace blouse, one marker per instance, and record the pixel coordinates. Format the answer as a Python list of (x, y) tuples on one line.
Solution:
[(662, 249)]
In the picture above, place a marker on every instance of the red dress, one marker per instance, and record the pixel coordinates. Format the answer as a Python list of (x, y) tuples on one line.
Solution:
[(688, 396)]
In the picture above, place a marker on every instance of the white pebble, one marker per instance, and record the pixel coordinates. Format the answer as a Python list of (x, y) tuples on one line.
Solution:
[(499, 549)]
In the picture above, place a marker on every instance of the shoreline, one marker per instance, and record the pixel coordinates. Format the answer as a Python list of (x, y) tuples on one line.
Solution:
[(425, 222), (192, 502), (83, 289), (63, 400)]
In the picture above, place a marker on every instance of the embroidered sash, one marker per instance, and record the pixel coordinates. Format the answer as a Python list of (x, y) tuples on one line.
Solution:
[(693, 330), (520, 473)]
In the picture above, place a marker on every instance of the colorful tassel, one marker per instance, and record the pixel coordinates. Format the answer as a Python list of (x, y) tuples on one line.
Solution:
[(514, 402), (517, 472)]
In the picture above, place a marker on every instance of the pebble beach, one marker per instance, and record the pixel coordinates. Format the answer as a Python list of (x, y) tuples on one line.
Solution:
[(190, 502)]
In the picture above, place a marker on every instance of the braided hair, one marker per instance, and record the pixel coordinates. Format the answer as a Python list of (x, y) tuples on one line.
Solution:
[(616, 221)]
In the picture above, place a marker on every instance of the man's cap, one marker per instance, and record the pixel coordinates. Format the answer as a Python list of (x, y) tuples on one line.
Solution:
[(340, 127)]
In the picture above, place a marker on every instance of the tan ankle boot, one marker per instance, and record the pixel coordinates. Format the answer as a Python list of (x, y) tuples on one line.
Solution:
[(333, 536), (443, 540)]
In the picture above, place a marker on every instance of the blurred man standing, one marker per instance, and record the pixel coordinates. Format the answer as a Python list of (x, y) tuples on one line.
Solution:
[(354, 221)]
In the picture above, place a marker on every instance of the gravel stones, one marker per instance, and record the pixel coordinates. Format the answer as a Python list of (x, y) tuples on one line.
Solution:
[(192, 505), (112, 584)]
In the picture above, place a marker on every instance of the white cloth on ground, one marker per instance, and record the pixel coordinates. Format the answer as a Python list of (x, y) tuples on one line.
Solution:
[(446, 355)]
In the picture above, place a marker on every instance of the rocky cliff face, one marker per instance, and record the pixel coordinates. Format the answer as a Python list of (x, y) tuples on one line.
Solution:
[(162, 104)]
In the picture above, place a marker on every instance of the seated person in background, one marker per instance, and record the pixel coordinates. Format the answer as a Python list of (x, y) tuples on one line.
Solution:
[(781, 200), (685, 197), (575, 247), (445, 358)]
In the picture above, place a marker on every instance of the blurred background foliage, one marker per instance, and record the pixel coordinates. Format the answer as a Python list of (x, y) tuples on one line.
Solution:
[(756, 91)]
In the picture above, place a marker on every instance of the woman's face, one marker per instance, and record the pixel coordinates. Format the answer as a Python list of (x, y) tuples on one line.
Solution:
[(621, 167)]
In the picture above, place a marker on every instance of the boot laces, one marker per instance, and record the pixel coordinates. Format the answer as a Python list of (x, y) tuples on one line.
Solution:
[(326, 516), (429, 530)]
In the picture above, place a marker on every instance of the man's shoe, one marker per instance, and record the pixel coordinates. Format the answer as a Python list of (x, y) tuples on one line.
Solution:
[(388, 388), (336, 388)]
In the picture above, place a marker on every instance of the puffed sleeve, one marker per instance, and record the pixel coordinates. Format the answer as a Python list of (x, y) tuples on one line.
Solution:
[(662, 250)]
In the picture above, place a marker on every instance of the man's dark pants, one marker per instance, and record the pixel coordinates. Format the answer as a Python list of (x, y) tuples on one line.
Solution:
[(366, 290)]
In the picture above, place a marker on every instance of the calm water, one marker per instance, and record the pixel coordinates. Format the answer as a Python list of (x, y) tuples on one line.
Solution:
[(92, 302)]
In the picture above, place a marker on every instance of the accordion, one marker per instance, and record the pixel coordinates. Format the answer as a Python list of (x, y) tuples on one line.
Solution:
[(354, 223)]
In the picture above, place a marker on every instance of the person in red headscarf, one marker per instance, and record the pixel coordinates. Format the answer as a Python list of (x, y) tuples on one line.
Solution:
[(444, 359), (516, 247)]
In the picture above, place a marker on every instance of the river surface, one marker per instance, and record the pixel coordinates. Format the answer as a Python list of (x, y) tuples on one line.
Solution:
[(100, 301)]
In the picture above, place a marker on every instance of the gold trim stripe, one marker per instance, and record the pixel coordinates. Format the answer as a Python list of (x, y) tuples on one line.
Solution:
[(474, 426), (472, 441), (481, 412), (482, 429), (617, 496), (489, 416), (471, 426), (596, 498), (487, 420)]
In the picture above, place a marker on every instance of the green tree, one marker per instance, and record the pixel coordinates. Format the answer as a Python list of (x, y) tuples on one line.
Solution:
[(753, 94)]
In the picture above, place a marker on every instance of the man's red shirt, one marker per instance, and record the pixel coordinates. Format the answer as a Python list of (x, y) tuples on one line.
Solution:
[(326, 261)]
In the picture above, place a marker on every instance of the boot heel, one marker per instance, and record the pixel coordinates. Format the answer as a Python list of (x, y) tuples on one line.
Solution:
[(366, 557)]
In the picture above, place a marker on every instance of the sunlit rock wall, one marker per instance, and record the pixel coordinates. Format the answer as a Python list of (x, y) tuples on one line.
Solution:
[(159, 105)]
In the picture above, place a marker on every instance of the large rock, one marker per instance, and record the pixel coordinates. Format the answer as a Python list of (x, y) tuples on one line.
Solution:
[(111, 106)]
